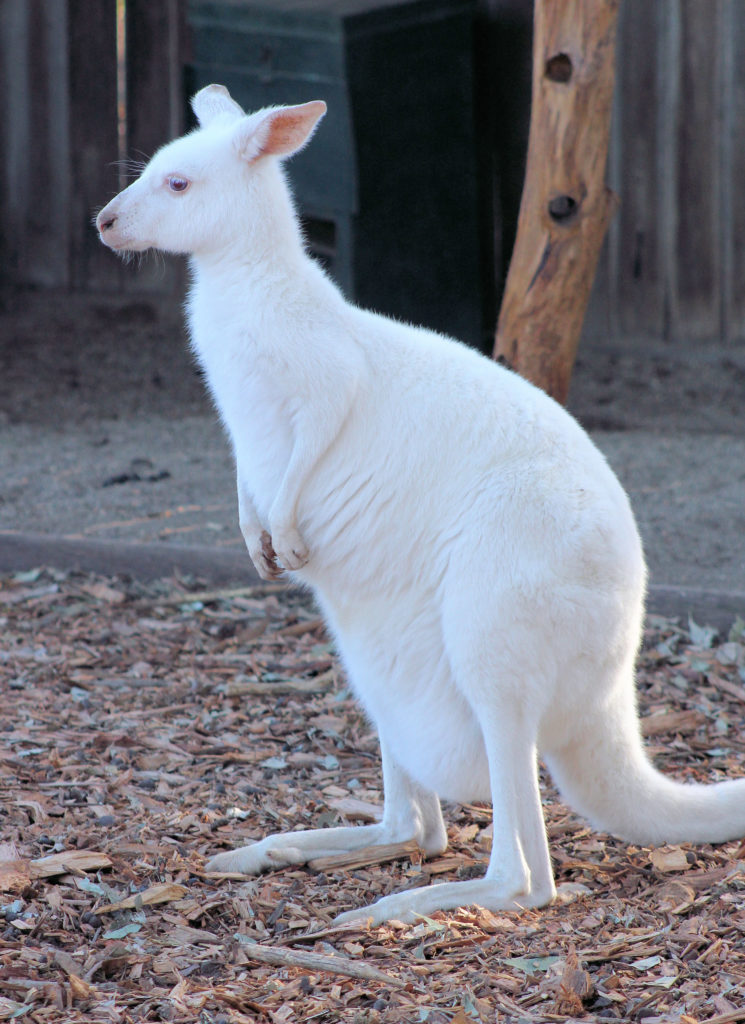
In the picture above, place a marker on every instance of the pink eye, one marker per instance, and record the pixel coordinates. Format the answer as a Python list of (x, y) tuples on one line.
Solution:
[(177, 184)]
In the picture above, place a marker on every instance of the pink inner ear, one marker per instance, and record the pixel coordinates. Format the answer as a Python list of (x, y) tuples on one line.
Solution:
[(288, 129), (285, 132)]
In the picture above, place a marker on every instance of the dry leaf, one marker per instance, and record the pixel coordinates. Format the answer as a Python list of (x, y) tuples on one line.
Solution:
[(15, 875), (668, 859), (485, 837), (165, 892), (79, 989), (675, 895), (671, 722), (576, 988), (103, 592), (351, 807)]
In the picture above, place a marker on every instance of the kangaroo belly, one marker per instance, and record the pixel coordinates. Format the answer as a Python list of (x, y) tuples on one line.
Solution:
[(447, 755), (399, 670)]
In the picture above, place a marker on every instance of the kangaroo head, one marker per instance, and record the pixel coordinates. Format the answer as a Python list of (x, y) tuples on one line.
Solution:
[(202, 191)]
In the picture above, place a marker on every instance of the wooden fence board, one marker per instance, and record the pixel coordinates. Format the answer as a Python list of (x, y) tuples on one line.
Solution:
[(155, 35), (639, 284), (734, 186), (155, 88), (33, 141), (59, 132), (695, 304), (44, 235), (93, 136), (14, 133)]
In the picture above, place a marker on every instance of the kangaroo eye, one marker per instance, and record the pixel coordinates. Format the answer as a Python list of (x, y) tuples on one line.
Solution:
[(177, 184)]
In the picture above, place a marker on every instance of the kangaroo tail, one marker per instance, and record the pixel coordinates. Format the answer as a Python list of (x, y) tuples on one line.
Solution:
[(604, 773)]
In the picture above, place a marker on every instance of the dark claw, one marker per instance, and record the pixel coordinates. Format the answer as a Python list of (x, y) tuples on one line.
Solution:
[(270, 556)]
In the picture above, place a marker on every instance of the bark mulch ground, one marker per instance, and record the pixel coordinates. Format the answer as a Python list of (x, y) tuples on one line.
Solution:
[(146, 727)]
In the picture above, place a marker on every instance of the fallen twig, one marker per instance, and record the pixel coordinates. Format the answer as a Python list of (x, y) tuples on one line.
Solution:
[(257, 688), (282, 956)]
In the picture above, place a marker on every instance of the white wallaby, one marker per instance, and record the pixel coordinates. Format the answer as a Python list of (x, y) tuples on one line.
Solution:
[(476, 559)]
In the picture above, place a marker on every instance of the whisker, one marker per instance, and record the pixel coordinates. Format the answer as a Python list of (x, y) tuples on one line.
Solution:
[(129, 166)]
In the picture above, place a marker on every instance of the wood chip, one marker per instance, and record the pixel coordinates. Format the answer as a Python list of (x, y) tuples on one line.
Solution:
[(366, 856), (166, 892), (133, 751), (70, 862), (671, 722)]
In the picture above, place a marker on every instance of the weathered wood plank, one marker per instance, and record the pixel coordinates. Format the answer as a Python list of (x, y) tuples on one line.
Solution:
[(733, 214), (639, 275), (155, 36), (14, 136), (93, 136), (33, 142), (48, 171), (695, 303), (155, 42)]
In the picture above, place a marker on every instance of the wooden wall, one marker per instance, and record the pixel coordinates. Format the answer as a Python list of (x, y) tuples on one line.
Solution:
[(59, 129), (674, 264)]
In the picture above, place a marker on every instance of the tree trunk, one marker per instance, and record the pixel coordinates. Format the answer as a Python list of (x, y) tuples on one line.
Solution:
[(566, 207)]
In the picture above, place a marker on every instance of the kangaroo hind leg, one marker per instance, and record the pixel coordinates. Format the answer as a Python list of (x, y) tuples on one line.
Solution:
[(409, 812), (519, 873)]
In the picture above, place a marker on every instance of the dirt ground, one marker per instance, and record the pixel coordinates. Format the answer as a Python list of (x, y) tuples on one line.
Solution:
[(108, 914), (107, 433)]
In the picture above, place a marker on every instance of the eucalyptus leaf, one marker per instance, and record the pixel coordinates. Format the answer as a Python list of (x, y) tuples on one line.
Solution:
[(647, 963), (702, 636), (123, 932), (531, 964), (275, 763)]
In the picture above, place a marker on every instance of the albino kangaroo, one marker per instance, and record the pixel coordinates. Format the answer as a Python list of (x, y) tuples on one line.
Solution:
[(473, 554)]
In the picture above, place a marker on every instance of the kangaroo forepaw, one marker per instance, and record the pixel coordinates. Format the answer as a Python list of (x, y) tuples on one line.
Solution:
[(263, 556), (291, 549)]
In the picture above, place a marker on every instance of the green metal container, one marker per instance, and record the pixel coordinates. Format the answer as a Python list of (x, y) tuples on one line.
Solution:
[(388, 188)]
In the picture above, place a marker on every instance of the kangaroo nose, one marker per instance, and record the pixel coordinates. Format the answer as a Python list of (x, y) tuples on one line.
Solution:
[(104, 222)]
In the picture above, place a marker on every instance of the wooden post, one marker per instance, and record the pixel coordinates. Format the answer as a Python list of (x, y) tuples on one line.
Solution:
[(566, 207)]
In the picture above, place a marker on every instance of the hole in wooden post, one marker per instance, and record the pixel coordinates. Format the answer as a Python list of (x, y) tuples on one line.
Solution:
[(559, 67), (562, 208)]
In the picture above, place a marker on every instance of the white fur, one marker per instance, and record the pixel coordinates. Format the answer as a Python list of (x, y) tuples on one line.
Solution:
[(474, 555)]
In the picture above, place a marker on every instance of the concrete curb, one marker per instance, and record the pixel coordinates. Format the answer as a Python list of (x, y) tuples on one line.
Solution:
[(19, 551), (221, 567), (706, 607)]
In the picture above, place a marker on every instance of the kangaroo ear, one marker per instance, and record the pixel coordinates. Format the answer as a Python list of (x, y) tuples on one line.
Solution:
[(279, 132), (214, 101)]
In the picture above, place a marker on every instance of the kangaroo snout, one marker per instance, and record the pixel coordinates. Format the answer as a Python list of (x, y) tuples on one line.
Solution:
[(114, 227), (105, 221)]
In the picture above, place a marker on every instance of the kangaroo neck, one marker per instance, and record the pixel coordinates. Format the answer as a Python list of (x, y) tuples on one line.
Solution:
[(260, 259), (262, 243)]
